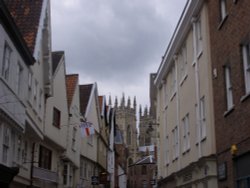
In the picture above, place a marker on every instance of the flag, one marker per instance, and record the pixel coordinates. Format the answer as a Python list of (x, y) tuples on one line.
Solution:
[(87, 129)]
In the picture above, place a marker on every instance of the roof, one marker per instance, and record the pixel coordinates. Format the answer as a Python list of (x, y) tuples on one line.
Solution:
[(14, 33), (26, 14), (85, 92), (71, 83), (56, 57), (100, 98), (146, 160)]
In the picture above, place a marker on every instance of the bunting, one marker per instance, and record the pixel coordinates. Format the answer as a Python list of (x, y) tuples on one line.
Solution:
[(87, 129)]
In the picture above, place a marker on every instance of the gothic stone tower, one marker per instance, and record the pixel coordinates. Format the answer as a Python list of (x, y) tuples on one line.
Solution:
[(126, 121), (147, 128)]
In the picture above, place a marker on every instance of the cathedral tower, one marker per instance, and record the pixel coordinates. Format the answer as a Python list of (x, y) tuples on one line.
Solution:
[(126, 121)]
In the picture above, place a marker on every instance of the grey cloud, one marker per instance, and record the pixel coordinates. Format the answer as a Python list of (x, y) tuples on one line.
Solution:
[(110, 40)]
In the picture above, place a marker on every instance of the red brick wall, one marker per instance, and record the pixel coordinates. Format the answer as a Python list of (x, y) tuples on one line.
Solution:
[(226, 42)]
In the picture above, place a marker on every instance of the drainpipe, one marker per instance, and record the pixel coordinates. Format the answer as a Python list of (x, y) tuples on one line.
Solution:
[(197, 87)]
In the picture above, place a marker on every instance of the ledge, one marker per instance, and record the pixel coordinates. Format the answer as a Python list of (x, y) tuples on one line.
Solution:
[(226, 113), (222, 22)]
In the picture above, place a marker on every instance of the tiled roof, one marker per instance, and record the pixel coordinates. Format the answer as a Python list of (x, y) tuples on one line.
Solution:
[(56, 57), (85, 91), (100, 102), (14, 33), (71, 83), (26, 14)]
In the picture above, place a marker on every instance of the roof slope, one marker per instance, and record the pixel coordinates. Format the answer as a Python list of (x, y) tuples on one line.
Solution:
[(56, 57), (85, 92), (71, 83), (26, 14)]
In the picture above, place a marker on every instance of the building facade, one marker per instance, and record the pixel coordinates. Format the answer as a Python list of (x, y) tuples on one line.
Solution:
[(186, 154), (15, 63), (229, 30)]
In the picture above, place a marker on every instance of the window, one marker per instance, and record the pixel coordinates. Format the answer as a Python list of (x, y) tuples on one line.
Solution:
[(6, 61), (223, 9), (173, 80), (203, 118), (175, 143), (186, 133), (13, 145), (65, 174), (35, 92), (183, 62), (166, 94), (19, 149), (6, 144), (25, 152), (198, 37), (19, 74), (85, 170), (167, 150), (229, 91), (56, 117), (246, 65), (45, 157), (143, 170), (40, 100), (73, 147), (30, 84)]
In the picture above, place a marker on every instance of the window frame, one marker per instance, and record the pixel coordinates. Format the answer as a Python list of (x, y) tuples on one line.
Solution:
[(45, 158), (246, 66), (223, 10), (228, 87), (56, 118), (186, 133), (203, 118), (6, 61)]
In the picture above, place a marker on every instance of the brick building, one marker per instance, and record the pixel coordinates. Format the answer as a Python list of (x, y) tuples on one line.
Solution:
[(230, 56)]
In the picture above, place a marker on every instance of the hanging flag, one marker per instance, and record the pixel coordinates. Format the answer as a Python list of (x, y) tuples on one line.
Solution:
[(87, 129)]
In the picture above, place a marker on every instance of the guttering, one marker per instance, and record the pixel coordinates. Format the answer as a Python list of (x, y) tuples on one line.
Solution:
[(191, 8)]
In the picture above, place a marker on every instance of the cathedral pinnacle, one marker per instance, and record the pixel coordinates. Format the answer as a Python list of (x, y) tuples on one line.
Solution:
[(129, 103), (146, 111), (110, 102), (123, 100), (134, 102), (116, 102)]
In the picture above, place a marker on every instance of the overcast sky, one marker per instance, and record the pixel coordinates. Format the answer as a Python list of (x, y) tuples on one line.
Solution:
[(115, 43)]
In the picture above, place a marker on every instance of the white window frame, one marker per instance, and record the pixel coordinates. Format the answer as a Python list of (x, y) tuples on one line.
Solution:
[(173, 80), (73, 146), (167, 150), (198, 37), (166, 93), (30, 81), (223, 9), (186, 133), (175, 143), (183, 62), (203, 118), (246, 65), (229, 89), (19, 74), (6, 61)]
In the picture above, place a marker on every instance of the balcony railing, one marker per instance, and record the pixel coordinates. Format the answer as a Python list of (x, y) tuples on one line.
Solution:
[(44, 174)]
